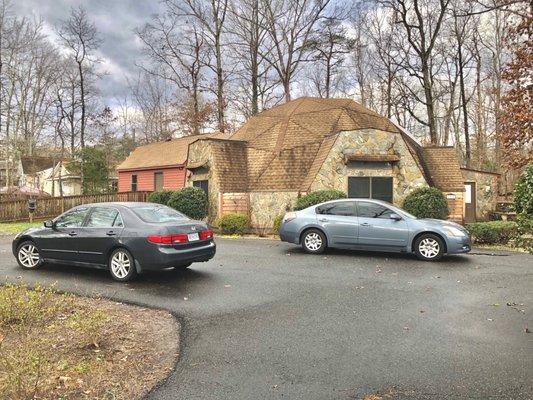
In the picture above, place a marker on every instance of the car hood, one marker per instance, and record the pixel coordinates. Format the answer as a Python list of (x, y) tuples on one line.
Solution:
[(440, 223), (29, 231)]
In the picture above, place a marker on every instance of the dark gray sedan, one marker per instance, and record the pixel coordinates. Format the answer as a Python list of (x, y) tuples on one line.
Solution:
[(372, 225), (126, 238)]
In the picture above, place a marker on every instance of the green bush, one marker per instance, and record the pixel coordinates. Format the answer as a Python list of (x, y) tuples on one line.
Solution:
[(161, 197), (523, 192), (277, 223), (191, 201), (317, 197), (234, 224), (524, 237), (492, 232), (426, 202)]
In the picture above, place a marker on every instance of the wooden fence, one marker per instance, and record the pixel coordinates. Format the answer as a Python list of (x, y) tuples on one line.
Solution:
[(50, 207)]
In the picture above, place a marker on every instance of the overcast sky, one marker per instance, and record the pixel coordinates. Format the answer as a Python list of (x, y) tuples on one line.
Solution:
[(114, 19)]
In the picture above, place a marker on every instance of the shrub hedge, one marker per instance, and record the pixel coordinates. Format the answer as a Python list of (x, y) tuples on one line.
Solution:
[(317, 197), (191, 201), (523, 192), (277, 223), (234, 224), (161, 197), (426, 202), (492, 232)]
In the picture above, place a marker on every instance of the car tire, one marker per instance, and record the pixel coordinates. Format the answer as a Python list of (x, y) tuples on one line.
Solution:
[(314, 241), (122, 265), (181, 267), (28, 255), (429, 247)]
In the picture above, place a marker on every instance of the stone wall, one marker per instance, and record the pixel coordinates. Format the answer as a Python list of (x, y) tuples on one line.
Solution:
[(486, 191), (265, 206), (234, 203), (334, 172), (200, 153)]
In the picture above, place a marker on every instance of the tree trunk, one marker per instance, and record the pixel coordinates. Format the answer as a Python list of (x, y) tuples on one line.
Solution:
[(462, 88), (428, 92)]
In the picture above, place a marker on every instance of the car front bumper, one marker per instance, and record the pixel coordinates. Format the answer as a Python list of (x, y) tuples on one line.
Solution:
[(457, 245), (289, 233), (171, 256)]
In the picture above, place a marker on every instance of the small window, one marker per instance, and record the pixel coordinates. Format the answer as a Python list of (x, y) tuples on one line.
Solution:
[(72, 219), (345, 208), (376, 187), (102, 218), (204, 185), (372, 210), (134, 183), (158, 181)]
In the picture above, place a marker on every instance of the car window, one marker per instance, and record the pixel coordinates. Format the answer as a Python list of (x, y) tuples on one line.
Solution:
[(102, 217), (158, 213), (346, 208), (372, 210), (119, 223), (72, 219)]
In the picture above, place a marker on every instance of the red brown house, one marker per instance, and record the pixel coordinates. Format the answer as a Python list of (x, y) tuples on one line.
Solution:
[(157, 166)]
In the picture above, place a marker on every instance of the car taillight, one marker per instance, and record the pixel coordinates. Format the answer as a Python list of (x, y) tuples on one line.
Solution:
[(168, 239), (207, 234)]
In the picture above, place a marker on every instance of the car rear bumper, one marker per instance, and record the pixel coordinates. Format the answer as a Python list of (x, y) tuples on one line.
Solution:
[(172, 256), (457, 245)]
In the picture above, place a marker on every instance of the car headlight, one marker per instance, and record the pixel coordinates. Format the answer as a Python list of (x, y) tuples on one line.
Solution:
[(453, 231), (289, 217)]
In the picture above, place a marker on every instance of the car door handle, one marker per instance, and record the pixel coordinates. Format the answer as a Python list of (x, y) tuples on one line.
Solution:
[(73, 233), (323, 220), (111, 233), (365, 224)]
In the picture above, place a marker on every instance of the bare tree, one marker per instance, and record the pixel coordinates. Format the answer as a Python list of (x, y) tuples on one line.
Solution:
[(421, 21), (179, 56), (79, 35), (291, 24), (250, 49), (211, 17), (328, 53)]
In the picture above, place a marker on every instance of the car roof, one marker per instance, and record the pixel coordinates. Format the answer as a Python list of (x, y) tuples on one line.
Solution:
[(358, 199), (124, 204)]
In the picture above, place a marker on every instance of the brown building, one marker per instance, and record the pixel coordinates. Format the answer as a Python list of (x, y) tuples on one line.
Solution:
[(310, 144)]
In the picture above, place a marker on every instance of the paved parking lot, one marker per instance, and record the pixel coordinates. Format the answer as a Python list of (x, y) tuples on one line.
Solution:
[(263, 320)]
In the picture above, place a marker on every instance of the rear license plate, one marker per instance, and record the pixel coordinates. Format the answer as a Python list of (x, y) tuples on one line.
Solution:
[(193, 237)]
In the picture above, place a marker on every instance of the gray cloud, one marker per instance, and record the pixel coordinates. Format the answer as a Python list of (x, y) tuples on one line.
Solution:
[(115, 20)]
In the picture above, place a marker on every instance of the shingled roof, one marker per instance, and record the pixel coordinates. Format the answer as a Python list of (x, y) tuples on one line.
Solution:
[(286, 142), (163, 154), (443, 167), (33, 164)]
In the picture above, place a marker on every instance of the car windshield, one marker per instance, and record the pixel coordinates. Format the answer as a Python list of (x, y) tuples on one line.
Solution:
[(405, 213), (157, 214)]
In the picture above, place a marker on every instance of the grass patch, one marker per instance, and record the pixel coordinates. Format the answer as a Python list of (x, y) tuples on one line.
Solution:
[(60, 346), (12, 228)]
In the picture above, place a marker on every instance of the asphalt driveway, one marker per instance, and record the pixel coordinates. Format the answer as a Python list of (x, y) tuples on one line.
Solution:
[(263, 320)]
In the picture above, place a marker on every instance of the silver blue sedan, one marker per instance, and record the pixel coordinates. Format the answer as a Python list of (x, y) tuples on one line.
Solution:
[(364, 224)]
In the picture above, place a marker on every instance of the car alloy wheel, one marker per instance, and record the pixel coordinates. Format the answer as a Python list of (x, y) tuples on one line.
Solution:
[(429, 247), (121, 265), (28, 255), (314, 241)]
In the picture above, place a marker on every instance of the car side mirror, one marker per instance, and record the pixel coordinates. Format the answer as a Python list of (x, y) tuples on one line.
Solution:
[(49, 224), (395, 217)]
